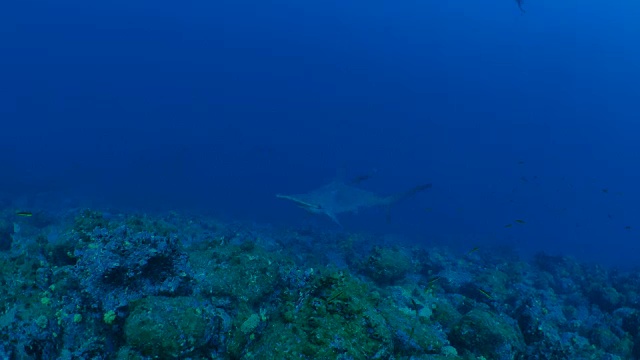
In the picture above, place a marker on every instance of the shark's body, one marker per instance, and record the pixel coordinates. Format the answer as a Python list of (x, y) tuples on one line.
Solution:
[(336, 198)]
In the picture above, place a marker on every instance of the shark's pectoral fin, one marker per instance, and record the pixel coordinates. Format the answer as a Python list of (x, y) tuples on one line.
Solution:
[(333, 217)]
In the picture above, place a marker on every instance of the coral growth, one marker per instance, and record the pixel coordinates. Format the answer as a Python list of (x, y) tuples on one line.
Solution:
[(172, 287)]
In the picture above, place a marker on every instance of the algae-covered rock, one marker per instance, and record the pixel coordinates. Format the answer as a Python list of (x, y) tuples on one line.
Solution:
[(408, 316), (333, 317), (605, 296), (488, 335), (386, 265), (445, 313), (247, 275), (606, 340), (169, 328)]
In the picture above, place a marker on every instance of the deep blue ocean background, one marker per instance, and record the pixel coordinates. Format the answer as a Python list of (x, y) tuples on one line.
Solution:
[(216, 106)]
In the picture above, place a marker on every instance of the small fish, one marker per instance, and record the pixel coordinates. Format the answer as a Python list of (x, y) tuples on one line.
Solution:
[(627, 227), (605, 190), (360, 178), (519, 221), (485, 294), (24, 213), (472, 251), (508, 226), (519, 2), (415, 306), (335, 296), (524, 179), (521, 162), (433, 281)]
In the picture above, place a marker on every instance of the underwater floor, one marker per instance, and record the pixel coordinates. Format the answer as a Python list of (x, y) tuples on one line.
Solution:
[(98, 285)]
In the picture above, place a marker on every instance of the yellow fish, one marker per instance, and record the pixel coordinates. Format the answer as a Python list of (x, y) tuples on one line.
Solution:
[(485, 294), (472, 250)]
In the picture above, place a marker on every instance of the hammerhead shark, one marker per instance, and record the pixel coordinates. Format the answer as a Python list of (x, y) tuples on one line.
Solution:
[(337, 197)]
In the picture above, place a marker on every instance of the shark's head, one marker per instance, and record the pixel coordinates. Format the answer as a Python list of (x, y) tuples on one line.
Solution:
[(310, 207), (313, 208)]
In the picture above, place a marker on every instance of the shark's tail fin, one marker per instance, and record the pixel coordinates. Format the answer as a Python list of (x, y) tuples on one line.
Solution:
[(398, 197)]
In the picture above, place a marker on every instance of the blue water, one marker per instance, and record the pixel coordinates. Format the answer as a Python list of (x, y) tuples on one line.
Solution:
[(216, 106)]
